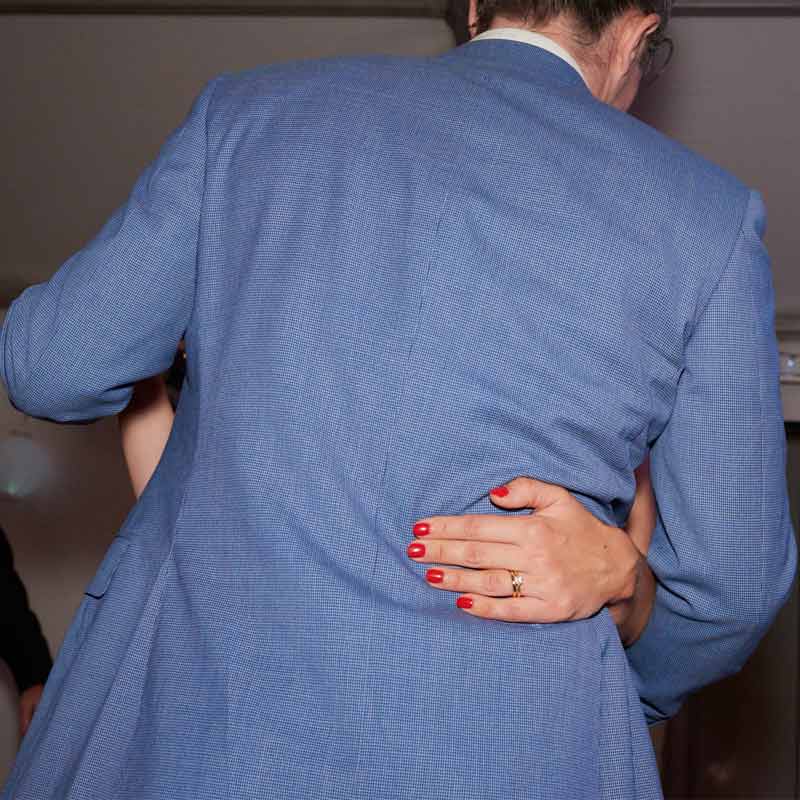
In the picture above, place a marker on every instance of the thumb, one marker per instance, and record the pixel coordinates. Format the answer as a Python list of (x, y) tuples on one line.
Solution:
[(526, 492)]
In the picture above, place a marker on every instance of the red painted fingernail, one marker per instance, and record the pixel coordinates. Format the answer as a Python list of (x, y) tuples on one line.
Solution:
[(464, 602), (434, 576), (416, 550), (422, 529), (499, 491)]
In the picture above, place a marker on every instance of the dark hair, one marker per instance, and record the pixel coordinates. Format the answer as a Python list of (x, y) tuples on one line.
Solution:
[(592, 16), (456, 15)]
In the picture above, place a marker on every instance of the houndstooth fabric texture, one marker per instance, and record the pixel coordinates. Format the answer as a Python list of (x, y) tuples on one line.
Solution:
[(402, 282)]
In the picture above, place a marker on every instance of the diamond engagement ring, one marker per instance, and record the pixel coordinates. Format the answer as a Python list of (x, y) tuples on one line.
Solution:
[(516, 583)]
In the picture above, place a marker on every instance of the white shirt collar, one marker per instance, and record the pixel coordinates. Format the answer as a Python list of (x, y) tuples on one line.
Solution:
[(536, 39)]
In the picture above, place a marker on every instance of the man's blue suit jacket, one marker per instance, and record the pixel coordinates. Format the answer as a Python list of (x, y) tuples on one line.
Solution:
[(402, 282)]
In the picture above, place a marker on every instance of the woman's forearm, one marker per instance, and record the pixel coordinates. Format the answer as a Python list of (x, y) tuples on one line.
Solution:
[(644, 512), (145, 426), (632, 615)]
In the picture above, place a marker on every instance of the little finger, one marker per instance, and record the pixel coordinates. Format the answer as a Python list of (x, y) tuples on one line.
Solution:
[(509, 609)]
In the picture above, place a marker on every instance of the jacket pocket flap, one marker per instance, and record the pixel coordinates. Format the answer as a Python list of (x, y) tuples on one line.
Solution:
[(108, 566)]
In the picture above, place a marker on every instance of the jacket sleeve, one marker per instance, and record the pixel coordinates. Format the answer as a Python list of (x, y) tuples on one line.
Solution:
[(723, 552), (71, 348)]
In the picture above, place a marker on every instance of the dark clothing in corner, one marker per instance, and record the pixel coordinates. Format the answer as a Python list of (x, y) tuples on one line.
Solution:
[(22, 645)]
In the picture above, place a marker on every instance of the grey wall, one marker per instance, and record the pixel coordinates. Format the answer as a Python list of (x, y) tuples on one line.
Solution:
[(732, 94)]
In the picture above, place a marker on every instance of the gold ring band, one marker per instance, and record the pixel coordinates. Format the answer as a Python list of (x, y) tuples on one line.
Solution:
[(516, 583)]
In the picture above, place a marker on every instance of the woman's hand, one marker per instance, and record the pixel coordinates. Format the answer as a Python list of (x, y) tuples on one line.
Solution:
[(571, 564)]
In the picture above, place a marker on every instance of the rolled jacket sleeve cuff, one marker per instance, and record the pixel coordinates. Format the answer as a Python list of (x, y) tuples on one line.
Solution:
[(676, 655), (644, 657)]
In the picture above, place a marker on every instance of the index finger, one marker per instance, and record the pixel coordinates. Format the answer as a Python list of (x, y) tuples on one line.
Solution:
[(477, 527)]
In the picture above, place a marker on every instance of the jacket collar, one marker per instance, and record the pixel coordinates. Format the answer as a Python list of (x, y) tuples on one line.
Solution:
[(532, 38), (500, 53)]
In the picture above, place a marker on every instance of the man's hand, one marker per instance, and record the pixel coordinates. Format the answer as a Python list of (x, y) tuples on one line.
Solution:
[(28, 701), (571, 563)]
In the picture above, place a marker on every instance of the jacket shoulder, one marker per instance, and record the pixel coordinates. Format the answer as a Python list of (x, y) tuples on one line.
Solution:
[(696, 207), (309, 78), (680, 169)]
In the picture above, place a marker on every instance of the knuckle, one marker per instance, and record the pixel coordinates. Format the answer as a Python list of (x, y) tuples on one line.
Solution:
[(473, 555), (433, 551), (564, 607), (490, 609), (470, 528), (546, 526), (530, 550), (535, 538), (454, 580), (494, 583)]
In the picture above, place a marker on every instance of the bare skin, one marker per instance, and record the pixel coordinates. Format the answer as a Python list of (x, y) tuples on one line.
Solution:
[(145, 426), (631, 615), (28, 701)]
